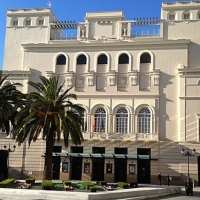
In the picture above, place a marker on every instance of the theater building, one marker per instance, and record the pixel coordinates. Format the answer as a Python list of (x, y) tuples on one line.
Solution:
[(138, 80)]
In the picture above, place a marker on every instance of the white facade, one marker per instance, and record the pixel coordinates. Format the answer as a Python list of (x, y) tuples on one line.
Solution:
[(144, 84)]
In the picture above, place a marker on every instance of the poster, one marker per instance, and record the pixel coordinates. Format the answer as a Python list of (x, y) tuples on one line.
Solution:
[(87, 167), (65, 167), (132, 169), (108, 168)]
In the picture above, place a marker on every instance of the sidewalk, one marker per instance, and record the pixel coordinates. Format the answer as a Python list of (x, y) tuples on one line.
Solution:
[(135, 193)]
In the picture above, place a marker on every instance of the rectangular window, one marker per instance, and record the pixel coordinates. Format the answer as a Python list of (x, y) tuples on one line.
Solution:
[(41, 22), (187, 16), (15, 23), (171, 17), (28, 22)]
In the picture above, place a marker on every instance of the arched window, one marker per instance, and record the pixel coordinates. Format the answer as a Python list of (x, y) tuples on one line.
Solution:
[(186, 15), (171, 16), (145, 58), (122, 121), (144, 120), (40, 21), (14, 22), (198, 15), (102, 59), (123, 59), (27, 21), (81, 60), (99, 122), (61, 60)]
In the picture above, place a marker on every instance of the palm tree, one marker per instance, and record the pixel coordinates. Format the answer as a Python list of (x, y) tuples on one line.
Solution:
[(50, 112), (9, 95)]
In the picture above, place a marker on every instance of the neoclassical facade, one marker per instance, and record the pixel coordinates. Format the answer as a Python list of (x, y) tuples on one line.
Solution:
[(138, 80)]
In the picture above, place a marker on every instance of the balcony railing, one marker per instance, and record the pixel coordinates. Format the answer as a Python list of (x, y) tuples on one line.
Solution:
[(121, 136)]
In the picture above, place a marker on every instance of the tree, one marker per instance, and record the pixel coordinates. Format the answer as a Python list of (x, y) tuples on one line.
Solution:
[(9, 95), (50, 112)]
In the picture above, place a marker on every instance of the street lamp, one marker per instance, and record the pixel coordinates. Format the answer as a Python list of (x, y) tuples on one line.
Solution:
[(8, 149), (188, 154)]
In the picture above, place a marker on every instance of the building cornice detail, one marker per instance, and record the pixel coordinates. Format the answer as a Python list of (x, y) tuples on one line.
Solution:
[(132, 43), (118, 95)]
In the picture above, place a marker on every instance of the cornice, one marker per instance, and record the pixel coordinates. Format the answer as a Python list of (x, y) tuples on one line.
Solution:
[(119, 96), (182, 43), (180, 6), (188, 70), (190, 98)]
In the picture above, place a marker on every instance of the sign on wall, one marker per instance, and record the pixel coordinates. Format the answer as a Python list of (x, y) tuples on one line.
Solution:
[(131, 168), (65, 167)]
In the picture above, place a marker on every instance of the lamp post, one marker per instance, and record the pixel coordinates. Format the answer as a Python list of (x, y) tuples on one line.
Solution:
[(188, 154), (9, 150)]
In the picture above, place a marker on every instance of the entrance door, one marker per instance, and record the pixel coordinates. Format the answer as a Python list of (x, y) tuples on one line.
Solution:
[(56, 163), (76, 168), (98, 169), (198, 170), (120, 170), (4, 164), (56, 168), (143, 171)]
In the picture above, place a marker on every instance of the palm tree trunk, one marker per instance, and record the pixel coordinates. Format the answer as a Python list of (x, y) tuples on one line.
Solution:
[(48, 157)]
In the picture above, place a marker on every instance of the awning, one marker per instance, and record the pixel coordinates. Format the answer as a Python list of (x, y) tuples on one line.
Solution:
[(145, 157), (98, 155), (119, 156)]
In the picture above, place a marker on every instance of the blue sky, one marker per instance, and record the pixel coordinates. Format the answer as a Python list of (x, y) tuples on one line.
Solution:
[(76, 9)]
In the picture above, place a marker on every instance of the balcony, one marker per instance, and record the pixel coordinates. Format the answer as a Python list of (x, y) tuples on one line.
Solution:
[(122, 136)]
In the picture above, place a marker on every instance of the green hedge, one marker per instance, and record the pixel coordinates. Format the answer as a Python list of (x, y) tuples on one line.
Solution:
[(87, 185), (93, 189), (65, 182), (123, 185), (101, 183), (47, 184), (30, 180), (6, 183)]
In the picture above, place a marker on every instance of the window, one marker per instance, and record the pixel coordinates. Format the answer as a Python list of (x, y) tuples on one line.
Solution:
[(102, 59), (27, 22), (84, 118), (172, 17), (40, 21), (121, 150), (98, 150), (186, 15), (145, 58), (61, 60), (123, 59), (84, 126), (99, 122), (121, 121), (144, 118), (81, 60), (15, 22)]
